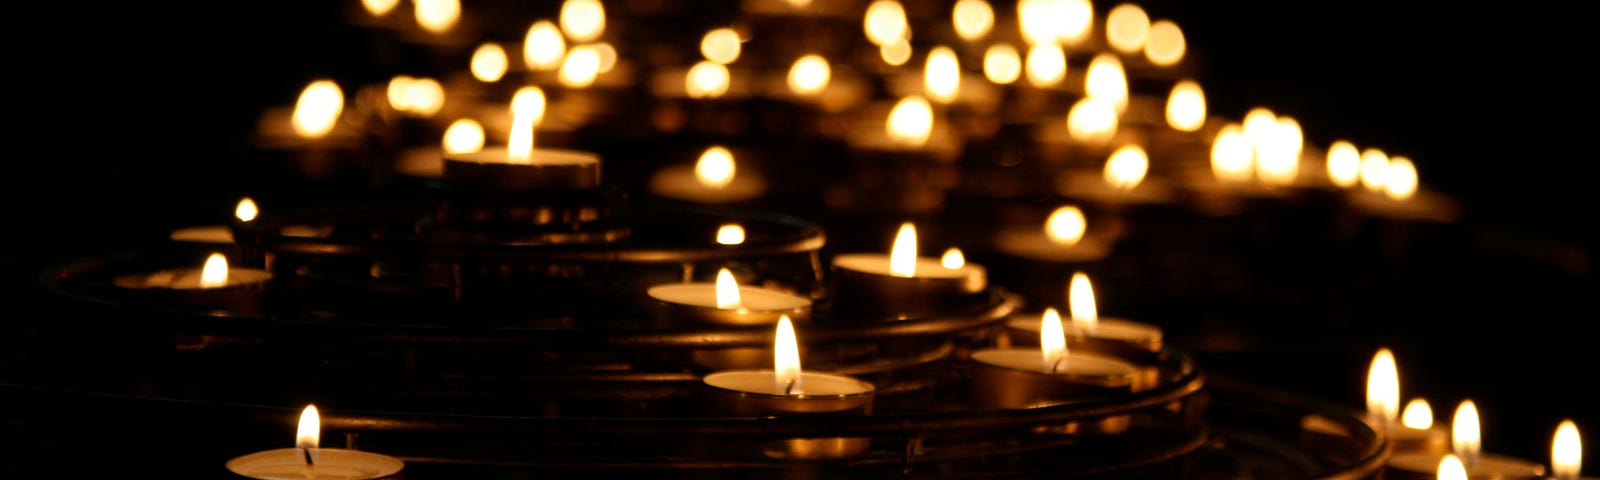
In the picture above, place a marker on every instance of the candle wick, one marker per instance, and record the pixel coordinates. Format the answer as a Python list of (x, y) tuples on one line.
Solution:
[(307, 453), (1056, 367), (788, 388)]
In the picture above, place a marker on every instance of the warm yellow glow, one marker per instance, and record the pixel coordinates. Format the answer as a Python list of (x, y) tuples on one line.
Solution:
[(583, 20), (1451, 468), (1092, 121), (1344, 164), (1186, 107), (1402, 175), (1046, 65), (527, 110), (1065, 225), (421, 97), (896, 52), (1054, 21), (721, 45), (885, 22), (308, 433), (1278, 158), (1127, 28), (437, 16), (707, 79), (246, 210), (379, 8), (1126, 167), (1260, 127), (953, 259), (1077, 19), (727, 290), (317, 109), (809, 75), (1052, 341), (799, 3), (786, 358), (1107, 81), (730, 234), (528, 102), (1002, 64), (1080, 300), (1418, 415), (1166, 45), (715, 168), (941, 77), (1374, 169), (608, 56), (489, 62), (1231, 155), (580, 67), (903, 255), (1383, 388), (543, 47), (463, 136), (1465, 438), (910, 122), (972, 19), (215, 272), (1566, 452)]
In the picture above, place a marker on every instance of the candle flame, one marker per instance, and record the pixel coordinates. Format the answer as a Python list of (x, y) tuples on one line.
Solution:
[(1107, 81), (463, 136), (527, 110), (1418, 415), (941, 77), (786, 358), (309, 432), (1166, 45), (1052, 341), (885, 22), (1054, 21), (1402, 175), (1278, 155), (730, 234), (580, 67), (715, 169), (582, 20), (1065, 225), (1093, 121), (1465, 439), (489, 62), (437, 16), (543, 47), (246, 210), (1344, 164), (215, 272), (1080, 299), (1383, 388), (1002, 64), (953, 259), (721, 45), (1374, 169), (972, 19), (809, 75), (1231, 156), (1186, 106), (317, 109), (1126, 167), (707, 79), (607, 54), (1451, 468), (1566, 451), (910, 121), (1046, 65), (727, 291), (903, 254), (379, 8), (1127, 28), (421, 97)]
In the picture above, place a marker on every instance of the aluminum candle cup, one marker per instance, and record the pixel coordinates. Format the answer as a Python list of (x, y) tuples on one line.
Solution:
[(1425, 466), (678, 304), (330, 464), (1137, 342), (240, 292), (862, 282), (491, 169), (1015, 378), (755, 393)]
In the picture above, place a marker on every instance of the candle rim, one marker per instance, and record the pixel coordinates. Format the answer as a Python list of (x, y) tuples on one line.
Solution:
[(1126, 369), (805, 302), (383, 465), (867, 388)]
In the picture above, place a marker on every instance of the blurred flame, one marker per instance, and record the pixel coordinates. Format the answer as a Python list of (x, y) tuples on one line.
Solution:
[(1418, 415), (543, 47), (809, 75), (608, 56), (786, 358), (953, 259), (1166, 45), (1260, 127), (527, 110), (1278, 159), (885, 22), (715, 168), (1065, 225), (707, 79), (1402, 175), (489, 62), (730, 234), (1344, 164), (379, 8), (580, 67), (972, 19), (317, 109), (422, 97), (246, 210), (896, 52), (309, 431), (721, 45), (1077, 19), (1001, 64), (1046, 65), (903, 255), (1566, 452), (1186, 107), (1107, 81), (1052, 341), (1465, 439), (727, 290), (1231, 155), (1092, 121), (1054, 21), (464, 136), (215, 272), (1451, 468), (1383, 388), (437, 16), (1080, 301), (1127, 28), (910, 122), (1374, 169), (941, 77), (1126, 167), (583, 20)]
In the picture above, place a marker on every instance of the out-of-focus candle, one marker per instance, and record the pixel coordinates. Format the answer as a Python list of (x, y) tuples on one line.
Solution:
[(1063, 238), (1186, 106), (1127, 28), (1046, 65), (1092, 121), (1002, 64), (543, 47), (726, 302), (942, 75), (1411, 432), (307, 460), (1106, 81), (1344, 164), (243, 212), (1166, 45), (1566, 452), (730, 234), (1466, 444), (714, 178), (902, 284), (885, 22), (519, 166), (972, 19), (582, 20), (721, 45), (489, 62)]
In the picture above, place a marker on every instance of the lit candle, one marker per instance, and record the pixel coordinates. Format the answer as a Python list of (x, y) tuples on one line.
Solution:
[(902, 284), (1064, 238), (1089, 332), (1049, 374), (910, 131), (244, 212), (1566, 452), (725, 302), (714, 178), (307, 460), (1392, 189), (519, 166), (1411, 431), (1466, 444), (1121, 181), (214, 274)]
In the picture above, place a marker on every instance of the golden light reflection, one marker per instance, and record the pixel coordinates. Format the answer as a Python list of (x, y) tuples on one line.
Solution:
[(953, 259), (582, 20), (896, 53), (941, 77), (308, 433), (730, 234), (489, 62), (580, 68), (1451, 468), (1066, 225), (318, 109), (903, 254), (1052, 341), (721, 45), (786, 358), (1374, 169), (1465, 438), (543, 47), (464, 135), (1566, 452), (972, 19), (715, 168), (728, 291), (246, 210), (809, 75), (1402, 178), (1418, 415), (910, 122), (707, 79), (379, 8), (1231, 154), (215, 271), (1080, 301), (1107, 81), (885, 22), (1166, 45), (1344, 164), (437, 16), (1186, 106), (1002, 64), (1383, 388), (1046, 65), (1126, 167), (1092, 121), (1127, 28)]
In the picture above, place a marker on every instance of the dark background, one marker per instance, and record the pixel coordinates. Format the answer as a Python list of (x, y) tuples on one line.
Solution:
[(125, 108)]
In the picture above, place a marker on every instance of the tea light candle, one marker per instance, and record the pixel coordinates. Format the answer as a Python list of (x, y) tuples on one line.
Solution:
[(714, 178), (910, 131), (1031, 377), (903, 284), (244, 212), (307, 461), (1121, 182), (519, 167), (1064, 239), (725, 302), (1566, 452), (1465, 444), (214, 275)]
